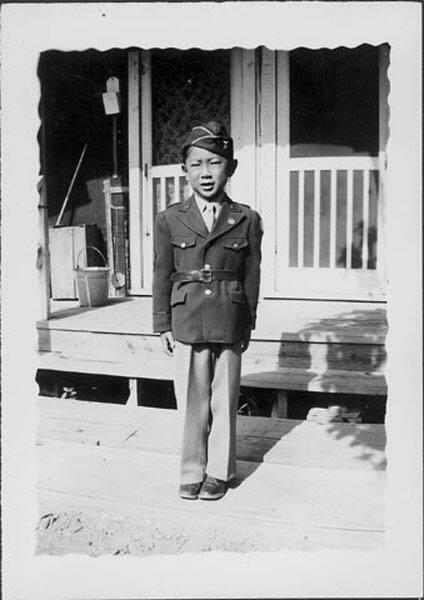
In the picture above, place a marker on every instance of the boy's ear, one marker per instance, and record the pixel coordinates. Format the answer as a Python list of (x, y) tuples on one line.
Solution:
[(231, 168), (183, 167)]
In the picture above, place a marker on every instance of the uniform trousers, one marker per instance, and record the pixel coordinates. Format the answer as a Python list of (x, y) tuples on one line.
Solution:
[(207, 384)]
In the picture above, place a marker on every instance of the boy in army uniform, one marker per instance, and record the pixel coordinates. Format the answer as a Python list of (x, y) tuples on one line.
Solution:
[(205, 293)]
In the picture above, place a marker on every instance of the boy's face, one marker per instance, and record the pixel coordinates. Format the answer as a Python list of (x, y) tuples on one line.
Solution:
[(207, 172)]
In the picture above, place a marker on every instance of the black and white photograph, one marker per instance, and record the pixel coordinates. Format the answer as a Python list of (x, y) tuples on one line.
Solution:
[(211, 294)]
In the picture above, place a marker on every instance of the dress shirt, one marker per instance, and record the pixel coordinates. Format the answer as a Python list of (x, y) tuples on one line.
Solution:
[(204, 205)]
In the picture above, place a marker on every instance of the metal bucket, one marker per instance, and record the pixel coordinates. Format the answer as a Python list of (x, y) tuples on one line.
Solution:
[(92, 282)]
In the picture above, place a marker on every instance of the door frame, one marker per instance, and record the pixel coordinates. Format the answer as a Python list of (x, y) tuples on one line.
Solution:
[(290, 282), (261, 145)]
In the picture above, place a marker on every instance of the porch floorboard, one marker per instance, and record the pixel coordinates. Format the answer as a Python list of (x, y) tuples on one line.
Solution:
[(291, 320)]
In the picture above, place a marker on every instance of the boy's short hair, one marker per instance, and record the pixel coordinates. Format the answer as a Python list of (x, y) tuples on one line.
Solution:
[(210, 136)]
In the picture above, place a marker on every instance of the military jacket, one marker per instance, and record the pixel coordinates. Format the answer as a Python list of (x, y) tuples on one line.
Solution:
[(206, 311)]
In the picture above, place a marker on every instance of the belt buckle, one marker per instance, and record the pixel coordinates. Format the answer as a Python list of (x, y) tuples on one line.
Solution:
[(206, 272)]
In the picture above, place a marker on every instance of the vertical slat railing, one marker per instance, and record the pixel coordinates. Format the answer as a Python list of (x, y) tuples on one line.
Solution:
[(301, 218), (365, 217), (333, 213), (349, 214), (317, 213)]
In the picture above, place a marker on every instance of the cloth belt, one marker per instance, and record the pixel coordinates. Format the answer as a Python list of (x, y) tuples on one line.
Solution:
[(206, 275)]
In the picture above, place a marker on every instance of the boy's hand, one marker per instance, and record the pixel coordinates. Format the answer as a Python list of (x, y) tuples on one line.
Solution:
[(168, 342), (245, 340)]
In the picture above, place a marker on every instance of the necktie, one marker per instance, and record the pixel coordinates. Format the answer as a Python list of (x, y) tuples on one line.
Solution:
[(210, 217)]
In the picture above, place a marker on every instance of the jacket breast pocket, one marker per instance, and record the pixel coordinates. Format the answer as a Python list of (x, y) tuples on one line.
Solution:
[(235, 244), (183, 241), (178, 296)]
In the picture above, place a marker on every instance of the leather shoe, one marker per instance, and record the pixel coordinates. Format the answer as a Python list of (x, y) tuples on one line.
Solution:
[(190, 491), (213, 489)]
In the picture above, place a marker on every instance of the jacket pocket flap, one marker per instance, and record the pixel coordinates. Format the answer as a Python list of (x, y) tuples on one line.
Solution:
[(182, 241), (238, 297), (178, 296), (235, 243)]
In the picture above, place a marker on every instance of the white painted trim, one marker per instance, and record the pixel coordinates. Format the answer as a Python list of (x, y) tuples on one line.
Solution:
[(327, 283), (341, 163), (383, 88), (266, 153), (282, 198), (146, 164), (243, 96), (134, 172), (301, 218)]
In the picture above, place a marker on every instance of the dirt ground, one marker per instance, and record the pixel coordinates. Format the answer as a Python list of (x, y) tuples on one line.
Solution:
[(94, 532)]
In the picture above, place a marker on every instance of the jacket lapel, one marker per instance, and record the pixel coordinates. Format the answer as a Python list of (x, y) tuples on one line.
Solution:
[(230, 216), (189, 214)]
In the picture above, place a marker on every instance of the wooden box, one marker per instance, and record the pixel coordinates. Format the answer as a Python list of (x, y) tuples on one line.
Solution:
[(66, 244)]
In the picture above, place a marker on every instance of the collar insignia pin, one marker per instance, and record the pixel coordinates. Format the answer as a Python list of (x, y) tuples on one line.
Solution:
[(231, 221)]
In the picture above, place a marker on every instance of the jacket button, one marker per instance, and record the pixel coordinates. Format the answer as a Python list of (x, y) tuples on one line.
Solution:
[(208, 292), (235, 244), (183, 244)]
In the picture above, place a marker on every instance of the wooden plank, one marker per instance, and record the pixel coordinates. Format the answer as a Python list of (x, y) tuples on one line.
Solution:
[(146, 419), (43, 250), (349, 382), (264, 355), (278, 493), (342, 382), (62, 262), (259, 439), (282, 320), (303, 444)]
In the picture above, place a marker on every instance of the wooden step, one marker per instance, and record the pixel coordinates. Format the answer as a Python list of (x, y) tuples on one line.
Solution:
[(264, 354), (300, 474), (260, 439), (161, 367)]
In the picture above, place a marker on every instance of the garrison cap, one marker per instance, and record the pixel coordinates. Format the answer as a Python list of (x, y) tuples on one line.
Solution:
[(210, 136)]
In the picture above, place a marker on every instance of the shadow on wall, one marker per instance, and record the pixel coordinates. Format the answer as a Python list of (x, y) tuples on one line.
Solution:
[(351, 342), (333, 354), (357, 245)]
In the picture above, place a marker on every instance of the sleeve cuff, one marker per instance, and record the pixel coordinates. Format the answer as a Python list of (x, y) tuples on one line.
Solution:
[(161, 322)]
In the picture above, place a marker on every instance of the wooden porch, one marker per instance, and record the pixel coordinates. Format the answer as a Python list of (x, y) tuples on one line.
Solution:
[(299, 485), (298, 345)]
